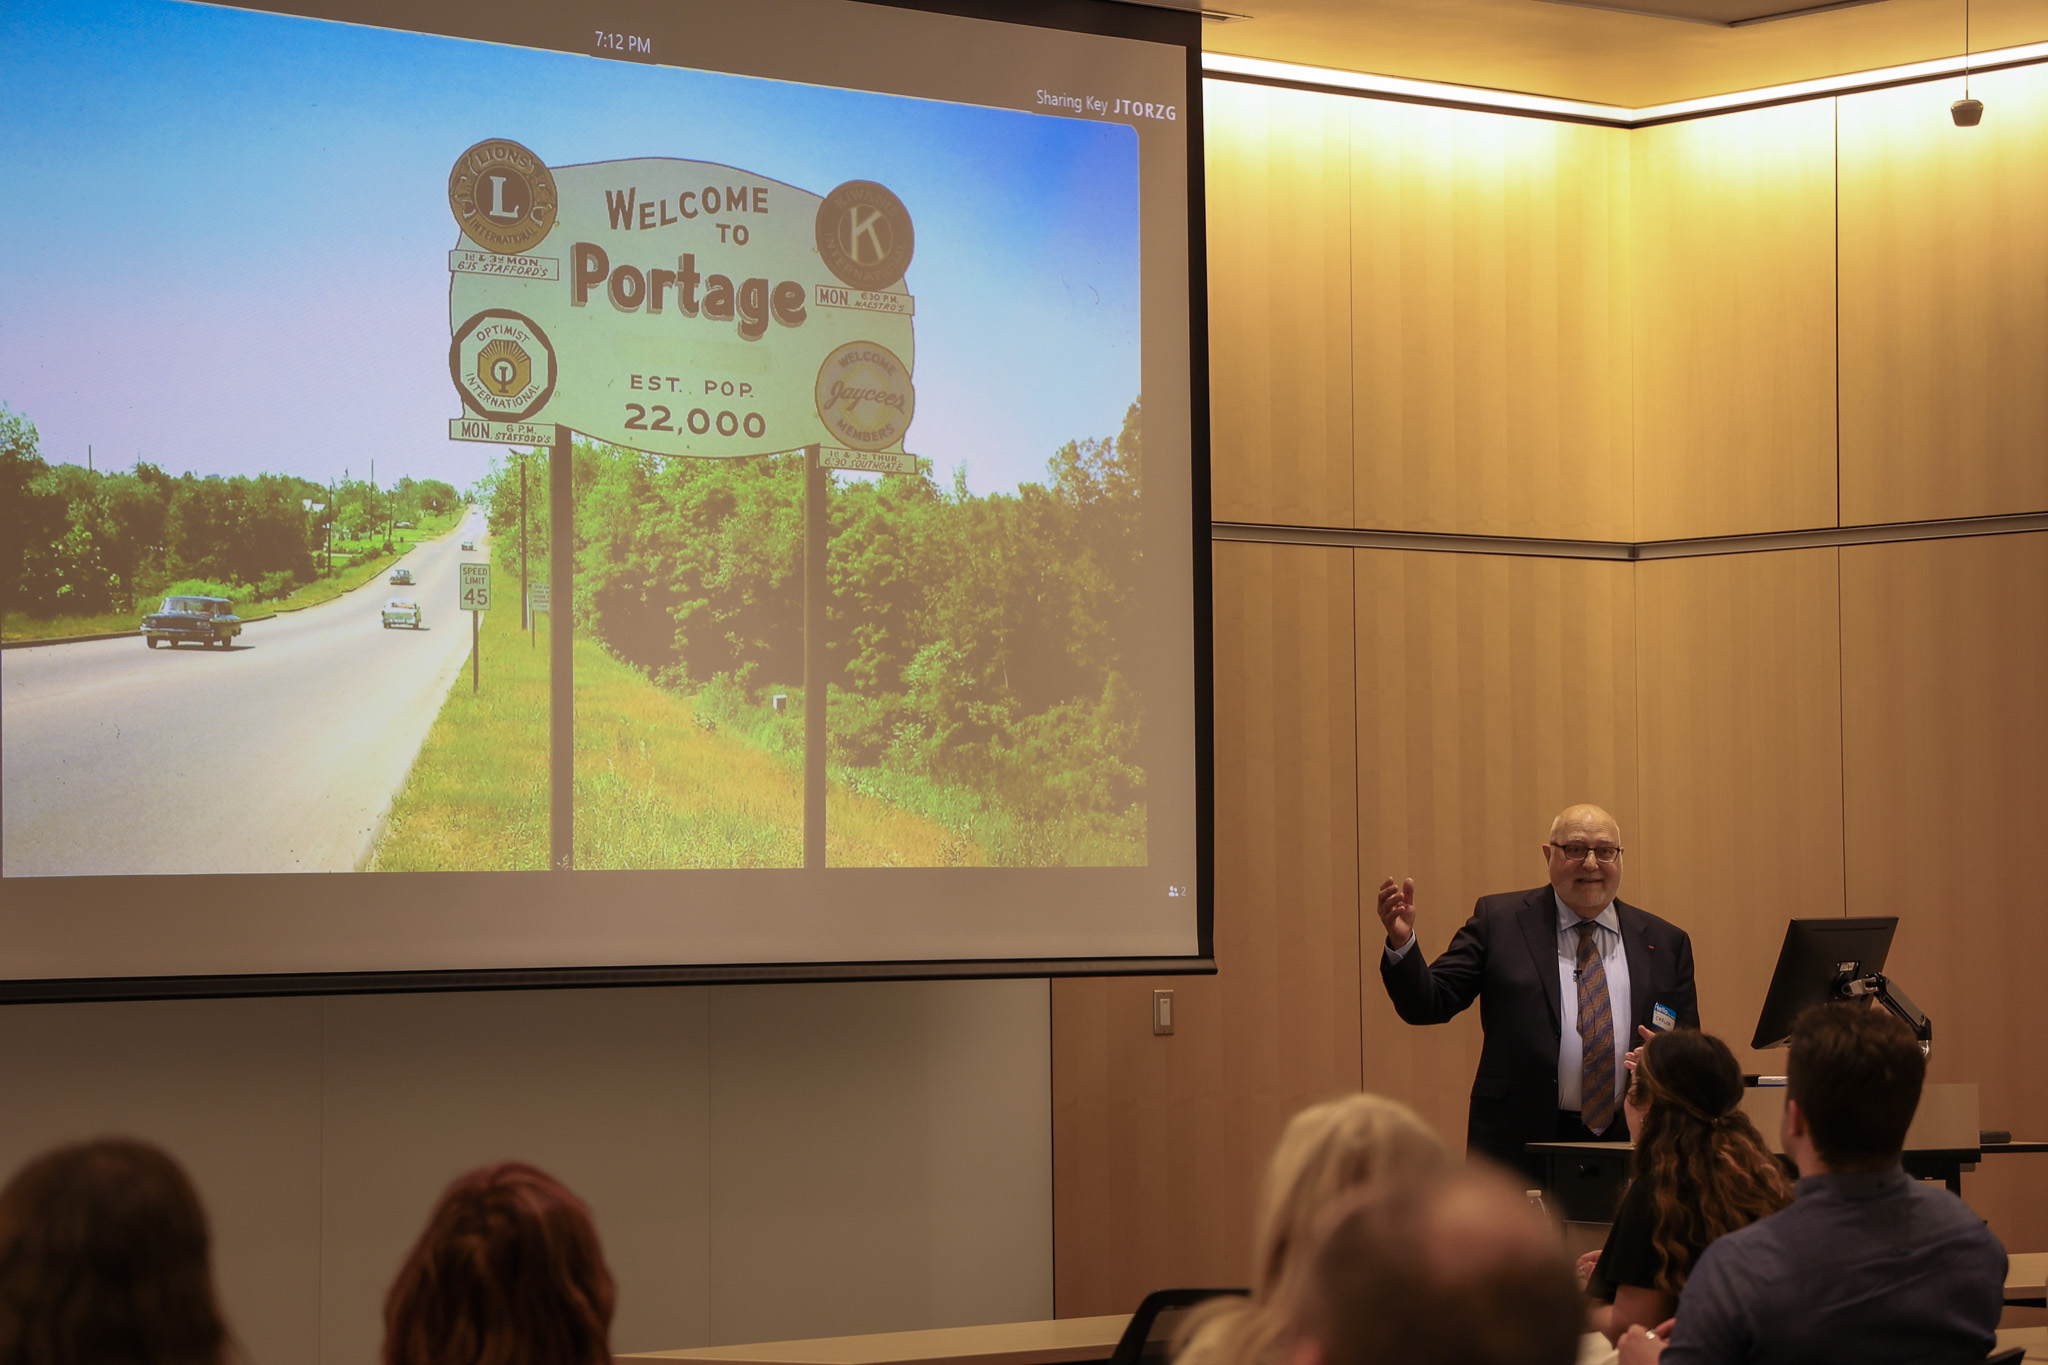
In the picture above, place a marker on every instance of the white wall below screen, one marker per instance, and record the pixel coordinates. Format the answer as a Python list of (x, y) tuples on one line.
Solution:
[(763, 1161)]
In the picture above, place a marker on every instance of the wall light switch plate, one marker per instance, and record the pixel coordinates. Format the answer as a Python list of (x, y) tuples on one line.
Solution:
[(1162, 1011)]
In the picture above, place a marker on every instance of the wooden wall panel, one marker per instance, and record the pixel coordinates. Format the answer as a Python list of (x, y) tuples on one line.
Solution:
[(1158, 1141), (1735, 323), (1490, 297), (1741, 713), (1945, 748), (1279, 305), (1945, 301), (1493, 691)]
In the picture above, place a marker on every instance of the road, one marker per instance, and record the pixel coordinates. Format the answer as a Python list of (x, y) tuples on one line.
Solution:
[(280, 754)]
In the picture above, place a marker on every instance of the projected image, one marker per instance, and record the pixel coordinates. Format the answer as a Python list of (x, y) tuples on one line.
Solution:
[(279, 432)]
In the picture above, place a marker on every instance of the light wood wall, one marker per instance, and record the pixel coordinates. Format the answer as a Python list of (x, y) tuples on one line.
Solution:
[(1945, 302), (1428, 320), (1945, 746), (1280, 305), (1489, 307), (1735, 323)]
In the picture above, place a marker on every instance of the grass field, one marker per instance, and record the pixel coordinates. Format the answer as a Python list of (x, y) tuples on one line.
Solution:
[(19, 627), (653, 788)]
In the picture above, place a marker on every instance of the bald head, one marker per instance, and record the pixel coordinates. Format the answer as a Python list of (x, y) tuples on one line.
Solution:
[(1585, 884), (1457, 1269), (1582, 819)]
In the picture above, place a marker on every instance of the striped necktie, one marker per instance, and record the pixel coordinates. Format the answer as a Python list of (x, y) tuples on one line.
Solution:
[(1596, 1035)]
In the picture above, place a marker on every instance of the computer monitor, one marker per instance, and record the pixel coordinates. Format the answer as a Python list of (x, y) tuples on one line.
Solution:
[(1819, 958)]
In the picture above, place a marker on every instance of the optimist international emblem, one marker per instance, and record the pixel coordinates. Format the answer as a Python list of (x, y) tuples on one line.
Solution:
[(503, 365), (864, 395), (864, 235), (503, 196)]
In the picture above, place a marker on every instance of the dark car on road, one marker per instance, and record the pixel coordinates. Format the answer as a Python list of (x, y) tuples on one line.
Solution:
[(192, 620)]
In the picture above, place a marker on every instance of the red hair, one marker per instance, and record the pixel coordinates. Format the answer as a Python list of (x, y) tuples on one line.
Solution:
[(508, 1272)]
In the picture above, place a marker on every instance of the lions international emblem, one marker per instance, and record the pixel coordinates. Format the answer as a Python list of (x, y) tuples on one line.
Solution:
[(503, 196)]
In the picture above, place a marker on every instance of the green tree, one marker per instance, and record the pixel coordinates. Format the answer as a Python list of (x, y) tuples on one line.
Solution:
[(33, 520)]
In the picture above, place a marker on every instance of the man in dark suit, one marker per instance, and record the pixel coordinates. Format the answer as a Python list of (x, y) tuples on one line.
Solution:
[(1566, 975)]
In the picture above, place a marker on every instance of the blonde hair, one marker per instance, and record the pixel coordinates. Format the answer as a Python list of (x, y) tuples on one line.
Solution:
[(1326, 1150)]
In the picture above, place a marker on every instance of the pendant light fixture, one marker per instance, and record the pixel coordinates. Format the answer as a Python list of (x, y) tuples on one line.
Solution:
[(1966, 112)]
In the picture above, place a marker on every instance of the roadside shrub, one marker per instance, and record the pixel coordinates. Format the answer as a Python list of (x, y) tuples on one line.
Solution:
[(201, 587)]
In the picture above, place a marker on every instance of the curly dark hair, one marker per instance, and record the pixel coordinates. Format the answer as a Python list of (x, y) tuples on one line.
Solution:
[(508, 1272), (104, 1255), (1708, 1169)]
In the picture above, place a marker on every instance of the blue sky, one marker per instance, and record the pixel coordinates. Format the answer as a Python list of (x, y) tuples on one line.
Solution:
[(227, 237)]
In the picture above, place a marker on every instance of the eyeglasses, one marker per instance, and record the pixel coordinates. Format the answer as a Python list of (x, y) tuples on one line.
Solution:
[(1577, 852)]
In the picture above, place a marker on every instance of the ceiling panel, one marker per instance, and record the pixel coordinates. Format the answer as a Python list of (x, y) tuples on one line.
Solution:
[(1608, 57)]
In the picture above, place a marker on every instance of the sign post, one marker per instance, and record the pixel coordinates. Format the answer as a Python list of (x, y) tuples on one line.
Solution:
[(561, 656), (473, 592), (817, 535)]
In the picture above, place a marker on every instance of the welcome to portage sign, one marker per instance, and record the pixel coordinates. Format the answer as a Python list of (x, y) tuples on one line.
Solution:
[(676, 307)]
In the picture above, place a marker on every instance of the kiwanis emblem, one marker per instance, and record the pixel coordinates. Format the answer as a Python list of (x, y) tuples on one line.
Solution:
[(864, 235), (503, 365), (864, 395), (503, 196)]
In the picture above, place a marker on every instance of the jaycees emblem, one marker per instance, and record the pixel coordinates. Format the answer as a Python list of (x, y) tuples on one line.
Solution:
[(864, 395), (503, 364), (503, 196)]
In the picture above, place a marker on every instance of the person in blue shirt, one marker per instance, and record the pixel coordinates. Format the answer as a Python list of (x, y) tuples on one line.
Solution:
[(1867, 1264)]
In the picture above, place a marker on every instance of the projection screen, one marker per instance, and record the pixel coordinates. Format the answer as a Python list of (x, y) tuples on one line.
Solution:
[(641, 492)]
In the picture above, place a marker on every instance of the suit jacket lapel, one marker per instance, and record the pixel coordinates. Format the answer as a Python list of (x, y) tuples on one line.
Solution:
[(1641, 991), (1539, 927)]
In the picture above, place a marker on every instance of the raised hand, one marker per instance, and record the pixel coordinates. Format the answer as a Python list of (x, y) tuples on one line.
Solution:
[(1397, 911)]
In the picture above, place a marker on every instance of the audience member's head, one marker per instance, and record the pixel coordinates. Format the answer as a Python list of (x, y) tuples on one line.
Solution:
[(1706, 1165), (1853, 1081), (1326, 1149), (1451, 1269), (508, 1272), (104, 1257)]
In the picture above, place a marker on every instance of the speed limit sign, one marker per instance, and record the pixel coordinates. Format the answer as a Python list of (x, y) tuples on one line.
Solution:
[(473, 587)]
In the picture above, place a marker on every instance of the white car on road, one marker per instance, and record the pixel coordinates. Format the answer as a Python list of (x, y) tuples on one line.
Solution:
[(402, 611)]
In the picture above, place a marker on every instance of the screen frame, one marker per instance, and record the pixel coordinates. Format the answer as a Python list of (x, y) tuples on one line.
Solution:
[(1110, 18)]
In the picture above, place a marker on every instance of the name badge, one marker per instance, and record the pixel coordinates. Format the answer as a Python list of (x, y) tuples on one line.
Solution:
[(1663, 1018)]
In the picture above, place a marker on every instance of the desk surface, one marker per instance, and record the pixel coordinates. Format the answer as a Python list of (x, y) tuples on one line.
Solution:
[(1057, 1342), (2035, 1339), (2026, 1275)]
